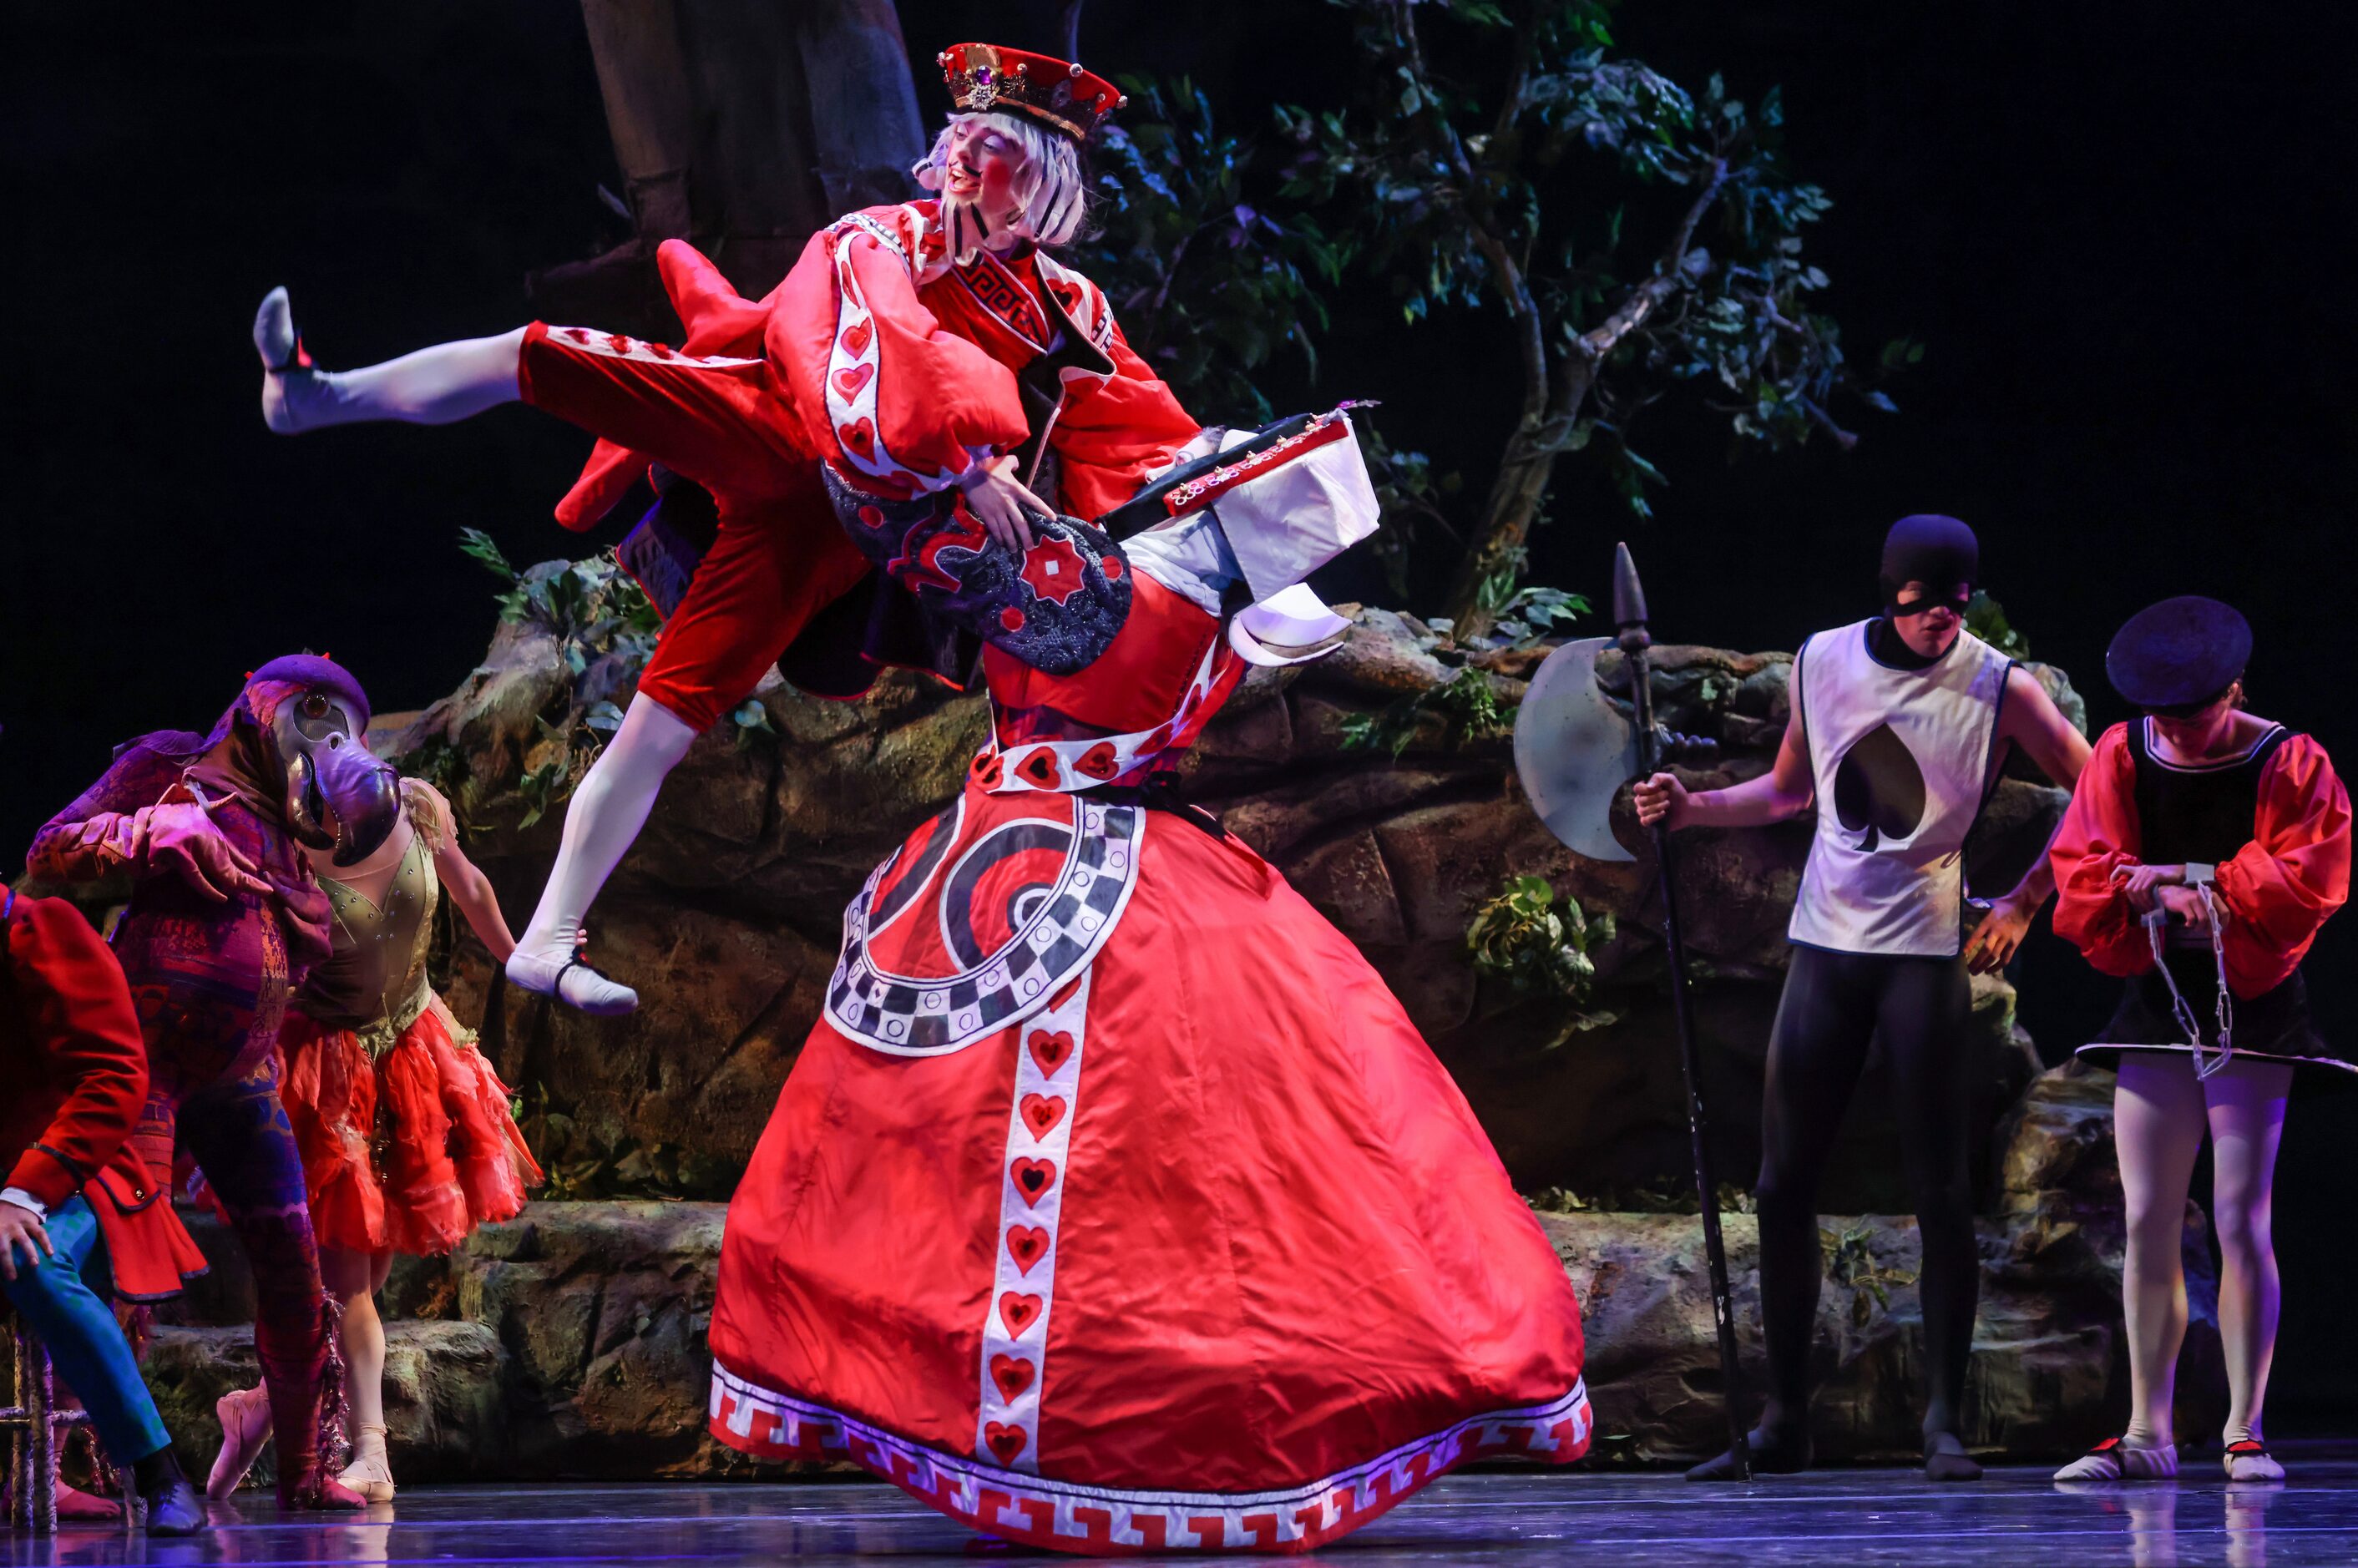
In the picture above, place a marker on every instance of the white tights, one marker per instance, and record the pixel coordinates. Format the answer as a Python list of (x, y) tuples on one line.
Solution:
[(437, 387), (2160, 1111)]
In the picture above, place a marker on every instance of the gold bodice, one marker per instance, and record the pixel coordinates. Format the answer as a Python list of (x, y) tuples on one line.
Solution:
[(374, 981)]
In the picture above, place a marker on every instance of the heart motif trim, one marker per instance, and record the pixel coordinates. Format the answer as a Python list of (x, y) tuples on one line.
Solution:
[(1013, 1374), (1005, 1440), (859, 436), (1033, 1178), (849, 381), (1042, 1112), (1027, 1244), (1018, 1311), (1050, 1048), (856, 336)]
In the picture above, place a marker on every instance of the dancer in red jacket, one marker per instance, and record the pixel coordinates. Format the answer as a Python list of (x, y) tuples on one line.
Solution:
[(2203, 849), (73, 1078), (916, 347)]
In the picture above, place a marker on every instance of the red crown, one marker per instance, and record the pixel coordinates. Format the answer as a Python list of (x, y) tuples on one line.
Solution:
[(986, 78)]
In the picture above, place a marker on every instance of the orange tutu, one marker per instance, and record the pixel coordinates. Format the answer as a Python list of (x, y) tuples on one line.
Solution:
[(406, 1153)]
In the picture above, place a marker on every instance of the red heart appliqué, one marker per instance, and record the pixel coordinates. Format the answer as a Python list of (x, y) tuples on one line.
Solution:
[(849, 381), (1098, 761), (1018, 1312), (1033, 1178), (1005, 1440), (1039, 768), (855, 338), (1050, 1048), (859, 436), (1042, 1112), (1027, 1244), (1013, 1374)]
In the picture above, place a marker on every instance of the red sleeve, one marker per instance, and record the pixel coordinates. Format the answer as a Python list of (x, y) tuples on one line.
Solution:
[(2295, 872), (883, 391), (78, 1012), (2100, 833), (1114, 431)]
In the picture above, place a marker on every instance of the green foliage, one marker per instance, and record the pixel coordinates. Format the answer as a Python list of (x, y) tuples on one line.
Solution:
[(1507, 156), (1851, 1265), (1209, 287), (1541, 947), (1985, 619), (1467, 704)]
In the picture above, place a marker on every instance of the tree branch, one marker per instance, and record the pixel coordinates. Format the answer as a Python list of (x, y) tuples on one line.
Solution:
[(1670, 274)]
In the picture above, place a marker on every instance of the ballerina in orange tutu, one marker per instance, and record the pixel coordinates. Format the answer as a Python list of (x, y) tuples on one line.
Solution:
[(406, 1140)]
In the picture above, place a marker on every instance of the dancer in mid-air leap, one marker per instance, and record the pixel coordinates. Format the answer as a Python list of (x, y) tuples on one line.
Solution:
[(1900, 726), (913, 388)]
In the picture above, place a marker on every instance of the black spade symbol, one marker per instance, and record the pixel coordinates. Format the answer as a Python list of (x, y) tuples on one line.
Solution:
[(1878, 789)]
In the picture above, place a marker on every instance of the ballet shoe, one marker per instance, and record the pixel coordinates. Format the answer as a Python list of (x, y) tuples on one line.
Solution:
[(370, 1475), (562, 974), (287, 370), (78, 1507), (321, 1493), (1772, 1453), (1945, 1459), (2249, 1460), (2115, 1459), (244, 1416)]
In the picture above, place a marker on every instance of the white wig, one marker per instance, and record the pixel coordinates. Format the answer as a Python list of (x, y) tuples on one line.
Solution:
[(1054, 200)]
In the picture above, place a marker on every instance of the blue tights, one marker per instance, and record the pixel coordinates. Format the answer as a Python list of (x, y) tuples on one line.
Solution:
[(85, 1344)]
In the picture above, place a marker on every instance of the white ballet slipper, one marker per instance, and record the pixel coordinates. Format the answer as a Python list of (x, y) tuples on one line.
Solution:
[(2249, 1460), (2115, 1460), (563, 974)]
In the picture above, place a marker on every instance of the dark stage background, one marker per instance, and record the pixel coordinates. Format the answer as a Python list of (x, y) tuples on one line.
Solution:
[(2124, 234)]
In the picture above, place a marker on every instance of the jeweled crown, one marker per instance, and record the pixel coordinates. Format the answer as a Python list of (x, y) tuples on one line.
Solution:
[(986, 78)]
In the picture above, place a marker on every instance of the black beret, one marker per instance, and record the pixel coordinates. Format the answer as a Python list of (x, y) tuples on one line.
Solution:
[(2182, 652)]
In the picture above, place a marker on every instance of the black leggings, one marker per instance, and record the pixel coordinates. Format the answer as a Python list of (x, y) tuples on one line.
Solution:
[(1834, 1005)]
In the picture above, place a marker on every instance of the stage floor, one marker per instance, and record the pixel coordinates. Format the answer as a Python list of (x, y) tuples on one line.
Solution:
[(2015, 1516)]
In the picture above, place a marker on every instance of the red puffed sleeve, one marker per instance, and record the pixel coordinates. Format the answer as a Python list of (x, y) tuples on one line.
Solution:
[(897, 403), (1114, 431), (2280, 887), (78, 1013), (2100, 833)]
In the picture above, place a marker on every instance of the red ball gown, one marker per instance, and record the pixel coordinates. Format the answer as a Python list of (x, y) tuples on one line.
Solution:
[(1114, 1204)]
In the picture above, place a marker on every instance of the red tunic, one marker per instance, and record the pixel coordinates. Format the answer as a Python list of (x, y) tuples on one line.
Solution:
[(1114, 1204), (875, 354), (2276, 891), (73, 1078)]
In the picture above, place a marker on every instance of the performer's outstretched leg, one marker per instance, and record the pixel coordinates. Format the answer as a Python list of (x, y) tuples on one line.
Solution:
[(239, 1136), (706, 419), (607, 811), (2246, 1110), (439, 385), (1925, 1004)]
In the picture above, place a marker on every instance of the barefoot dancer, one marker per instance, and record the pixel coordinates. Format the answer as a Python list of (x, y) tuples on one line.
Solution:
[(914, 390), (406, 1141), (1899, 726), (2204, 848)]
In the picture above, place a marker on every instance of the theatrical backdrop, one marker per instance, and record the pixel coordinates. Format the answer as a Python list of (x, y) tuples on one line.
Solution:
[(1782, 274)]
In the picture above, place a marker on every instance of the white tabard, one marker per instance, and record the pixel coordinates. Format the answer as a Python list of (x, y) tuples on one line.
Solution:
[(1901, 762)]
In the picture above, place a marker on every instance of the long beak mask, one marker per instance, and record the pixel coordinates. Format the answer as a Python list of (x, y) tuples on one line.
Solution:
[(338, 796)]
